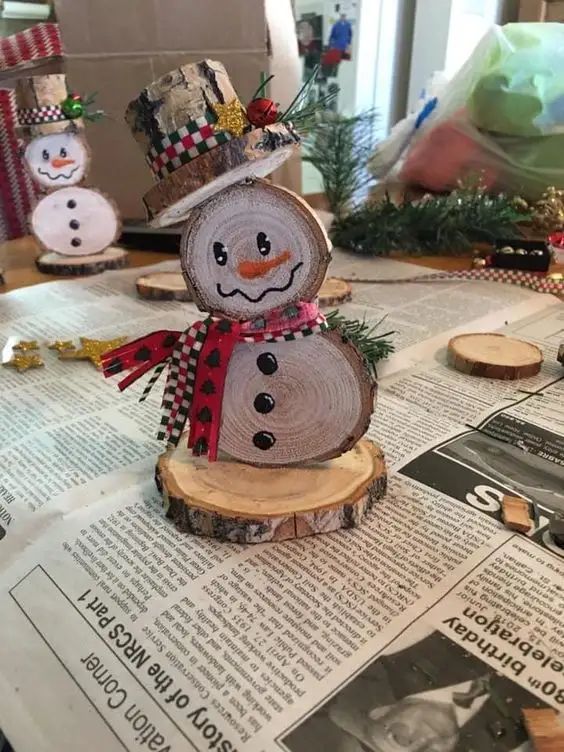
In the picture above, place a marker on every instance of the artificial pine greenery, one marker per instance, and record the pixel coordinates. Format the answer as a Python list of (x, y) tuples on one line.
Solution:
[(434, 224), (339, 147), (372, 346)]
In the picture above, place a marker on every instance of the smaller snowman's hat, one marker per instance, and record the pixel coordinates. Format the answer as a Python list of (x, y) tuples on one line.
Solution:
[(44, 106), (197, 139)]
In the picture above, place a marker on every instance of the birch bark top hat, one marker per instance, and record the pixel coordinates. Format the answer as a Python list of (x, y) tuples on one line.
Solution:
[(45, 106), (198, 139)]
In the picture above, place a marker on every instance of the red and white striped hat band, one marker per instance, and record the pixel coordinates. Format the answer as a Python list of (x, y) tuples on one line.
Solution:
[(51, 113)]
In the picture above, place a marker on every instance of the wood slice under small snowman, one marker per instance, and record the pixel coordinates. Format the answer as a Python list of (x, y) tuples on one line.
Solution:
[(253, 248), (240, 503), (163, 286), (112, 257), (75, 221)]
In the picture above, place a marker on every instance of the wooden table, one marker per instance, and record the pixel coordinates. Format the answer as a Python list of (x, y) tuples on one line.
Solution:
[(17, 258)]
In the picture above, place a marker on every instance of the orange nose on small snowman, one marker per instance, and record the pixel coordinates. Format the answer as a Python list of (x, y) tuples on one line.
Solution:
[(254, 269), (60, 162)]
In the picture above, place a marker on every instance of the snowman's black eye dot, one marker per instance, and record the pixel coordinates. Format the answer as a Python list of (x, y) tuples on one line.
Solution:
[(45, 154), (63, 152), (220, 253), (263, 244), (267, 363)]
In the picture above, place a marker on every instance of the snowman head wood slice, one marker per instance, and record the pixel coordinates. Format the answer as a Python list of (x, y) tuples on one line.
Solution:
[(253, 248), (57, 160)]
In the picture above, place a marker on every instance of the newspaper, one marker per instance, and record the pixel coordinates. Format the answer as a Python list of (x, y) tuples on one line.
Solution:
[(427, 628)]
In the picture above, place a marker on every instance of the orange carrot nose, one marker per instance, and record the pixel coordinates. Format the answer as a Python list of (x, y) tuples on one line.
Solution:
[(58, 162), (254, 269)]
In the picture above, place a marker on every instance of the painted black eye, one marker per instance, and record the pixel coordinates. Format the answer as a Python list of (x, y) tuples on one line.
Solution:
[(45, 154), (220, 253), (63, 152), (263, 244)]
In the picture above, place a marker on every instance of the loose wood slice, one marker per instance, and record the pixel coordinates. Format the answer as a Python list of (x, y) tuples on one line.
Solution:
[(81, 266), (253, 248), (334, 291), (287, 403), (75, 222), (494, 356), (163, 286), (545, 729), (41, 91), (515, 514), (254, 155), (245, 504)]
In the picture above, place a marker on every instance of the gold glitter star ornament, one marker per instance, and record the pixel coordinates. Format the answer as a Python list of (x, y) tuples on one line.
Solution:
[(24, 345), (230, 117), (22, 362), (92, 350), (60, 345)]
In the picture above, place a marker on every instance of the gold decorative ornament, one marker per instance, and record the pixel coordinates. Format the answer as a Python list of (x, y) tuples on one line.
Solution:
[(92, 349), (23, 362), (230, 117), (25, 345), (61, 345)]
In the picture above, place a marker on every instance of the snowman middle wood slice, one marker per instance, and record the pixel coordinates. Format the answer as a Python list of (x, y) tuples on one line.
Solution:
[(260, 380), (76, 226)]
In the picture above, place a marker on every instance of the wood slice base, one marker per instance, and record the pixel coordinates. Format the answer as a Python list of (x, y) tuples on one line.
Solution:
[(163, 286), (494, 356), (81, 266), (334, 291), (241, 503)]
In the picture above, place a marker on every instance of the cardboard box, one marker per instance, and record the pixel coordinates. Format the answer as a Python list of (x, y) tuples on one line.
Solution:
[(117, 48)]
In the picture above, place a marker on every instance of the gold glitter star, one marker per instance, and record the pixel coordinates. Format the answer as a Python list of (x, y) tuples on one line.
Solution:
[(230, 117), (23, 362), (61, 345), (24, 345), (92, 350)]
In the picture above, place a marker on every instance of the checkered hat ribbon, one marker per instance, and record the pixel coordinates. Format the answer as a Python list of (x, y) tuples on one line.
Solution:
[(51, 113), (187, 143)]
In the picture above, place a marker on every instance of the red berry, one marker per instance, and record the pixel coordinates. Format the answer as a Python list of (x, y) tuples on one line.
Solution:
[(261, 112)]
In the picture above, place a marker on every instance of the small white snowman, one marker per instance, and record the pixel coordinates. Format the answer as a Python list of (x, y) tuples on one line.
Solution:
[(75, 225)]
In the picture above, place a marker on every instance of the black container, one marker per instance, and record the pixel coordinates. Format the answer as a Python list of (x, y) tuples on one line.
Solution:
[(526, 262)]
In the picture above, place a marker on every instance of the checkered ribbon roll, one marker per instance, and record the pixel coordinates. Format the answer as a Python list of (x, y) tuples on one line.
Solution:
[(187, 143), (51, 113)]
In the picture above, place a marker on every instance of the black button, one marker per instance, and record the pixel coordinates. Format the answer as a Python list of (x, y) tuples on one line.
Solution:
[(264, 403), (76, 242), (267, 363), (71, 204), (74, 224), (264, 440)]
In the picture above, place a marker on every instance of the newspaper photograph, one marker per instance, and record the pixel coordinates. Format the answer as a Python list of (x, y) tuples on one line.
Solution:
[(121, 633)]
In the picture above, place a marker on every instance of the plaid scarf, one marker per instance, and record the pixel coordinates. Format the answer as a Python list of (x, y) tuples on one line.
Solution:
[(198, 359)]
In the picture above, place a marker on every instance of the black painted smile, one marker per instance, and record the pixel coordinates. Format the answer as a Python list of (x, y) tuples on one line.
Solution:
[(264, 292), (60, 175)]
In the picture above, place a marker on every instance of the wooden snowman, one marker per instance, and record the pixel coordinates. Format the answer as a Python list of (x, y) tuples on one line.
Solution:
[(276, 404), (76, 226)]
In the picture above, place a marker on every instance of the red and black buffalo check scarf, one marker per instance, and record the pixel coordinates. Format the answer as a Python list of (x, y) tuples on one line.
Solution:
[(197, 360)]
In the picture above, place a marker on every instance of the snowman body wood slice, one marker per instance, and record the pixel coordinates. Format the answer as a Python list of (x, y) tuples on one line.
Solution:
[(252, 249), (271, 404), (76, 226)]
